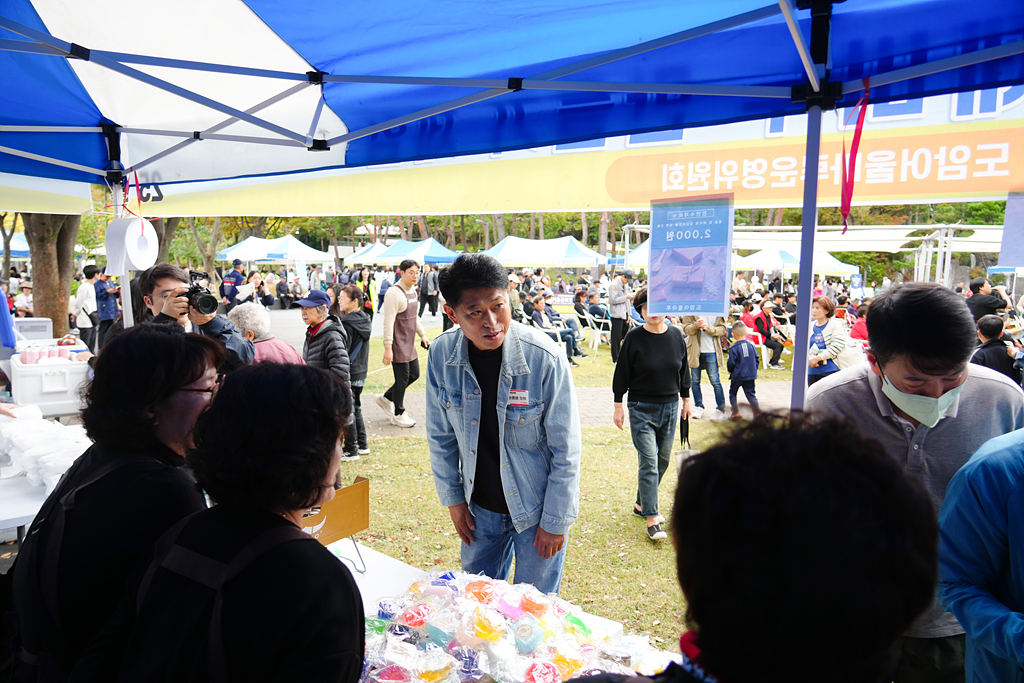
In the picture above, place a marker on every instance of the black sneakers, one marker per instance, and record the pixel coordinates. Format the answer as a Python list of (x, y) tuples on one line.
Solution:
[(656, 533)]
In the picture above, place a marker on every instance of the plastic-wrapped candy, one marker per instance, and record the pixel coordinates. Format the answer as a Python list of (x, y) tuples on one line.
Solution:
[(575, 625), (375, 625), (441, 627), (567, 656), (534, 602), (528, 633), (510, 604), (542, 672), (389, 608), (434, 665), (478, 627), (416, 616), (403, 633), (482, 591), (392, 674), (653, 662), (469, 664)]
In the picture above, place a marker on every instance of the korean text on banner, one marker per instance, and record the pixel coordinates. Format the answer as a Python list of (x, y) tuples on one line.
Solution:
[(691, 244)]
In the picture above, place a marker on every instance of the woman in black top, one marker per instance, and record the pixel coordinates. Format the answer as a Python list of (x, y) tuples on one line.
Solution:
[(150, 384), (289, 610), (653, 369)]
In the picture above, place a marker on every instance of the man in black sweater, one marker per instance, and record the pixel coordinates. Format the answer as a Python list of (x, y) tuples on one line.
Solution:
[(994, 352), (983, 302)]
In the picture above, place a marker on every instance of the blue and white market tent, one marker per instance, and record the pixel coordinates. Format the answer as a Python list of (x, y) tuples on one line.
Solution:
[(199, 90), (564, 252), (368, 254), (422, 251)]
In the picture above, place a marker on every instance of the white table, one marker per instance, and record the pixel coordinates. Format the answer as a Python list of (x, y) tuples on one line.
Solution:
[(385, 576), (19, 503)]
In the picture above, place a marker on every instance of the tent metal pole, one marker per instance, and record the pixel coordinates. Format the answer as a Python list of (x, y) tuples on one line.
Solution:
[(223, 124), (938, 66), (789, 12), (949, 257), (51, 129), (805, 287), (50, 160)]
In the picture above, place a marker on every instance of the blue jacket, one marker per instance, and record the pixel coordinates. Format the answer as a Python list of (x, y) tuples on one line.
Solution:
[(239, 350), (540, 441), (981, 558), (229, 286), (742, 363), (106, 304)]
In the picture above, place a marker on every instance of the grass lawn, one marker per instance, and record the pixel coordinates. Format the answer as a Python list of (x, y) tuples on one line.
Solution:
[(612, 569)]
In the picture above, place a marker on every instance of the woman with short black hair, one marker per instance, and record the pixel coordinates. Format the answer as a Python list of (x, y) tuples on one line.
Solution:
[(277, 605), (652, 367), (151, 383)]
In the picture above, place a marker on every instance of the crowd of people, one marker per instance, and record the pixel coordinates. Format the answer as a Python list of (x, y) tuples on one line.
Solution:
[(871, 538)]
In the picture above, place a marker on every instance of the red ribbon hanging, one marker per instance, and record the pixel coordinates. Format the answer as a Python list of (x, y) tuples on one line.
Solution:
[(847, 174)]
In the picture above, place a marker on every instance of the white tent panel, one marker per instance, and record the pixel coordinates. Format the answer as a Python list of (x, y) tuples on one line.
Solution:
[(215, 31), (26, 194)]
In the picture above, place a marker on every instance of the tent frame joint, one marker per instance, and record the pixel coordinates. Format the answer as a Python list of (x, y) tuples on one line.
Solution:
[(827, 98), (319, 146), (515, 84), (316, 76), (79, 52)]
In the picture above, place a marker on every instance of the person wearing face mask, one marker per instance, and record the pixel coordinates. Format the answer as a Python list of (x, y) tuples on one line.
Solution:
[(239, 591), (151, 383), (931, 409)]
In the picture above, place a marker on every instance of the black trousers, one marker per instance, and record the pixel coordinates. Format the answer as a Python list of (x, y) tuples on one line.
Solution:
[(618, 332), (405, 374), (101, 337), (428, 300), (88, 337), (355, 438), (776, 348)]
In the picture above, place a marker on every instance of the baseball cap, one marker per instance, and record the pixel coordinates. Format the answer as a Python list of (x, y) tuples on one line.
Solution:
[(628, 274), (755, 298), (512, 278), (314, 298), (237, 262), (548, 295)]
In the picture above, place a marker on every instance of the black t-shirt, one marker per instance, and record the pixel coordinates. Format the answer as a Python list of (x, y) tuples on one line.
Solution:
[(985, 304), (488, 492)]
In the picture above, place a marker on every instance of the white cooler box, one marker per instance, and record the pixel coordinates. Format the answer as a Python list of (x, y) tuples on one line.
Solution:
[(52, 387), (36, 329)]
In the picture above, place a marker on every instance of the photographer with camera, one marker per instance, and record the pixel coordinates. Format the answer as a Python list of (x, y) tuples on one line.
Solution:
[(172, 295)]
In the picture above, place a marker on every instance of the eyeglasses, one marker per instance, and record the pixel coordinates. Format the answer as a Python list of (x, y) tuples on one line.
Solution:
[(212, 391)]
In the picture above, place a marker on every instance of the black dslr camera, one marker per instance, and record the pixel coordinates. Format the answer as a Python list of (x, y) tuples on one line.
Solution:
[(199, 297)]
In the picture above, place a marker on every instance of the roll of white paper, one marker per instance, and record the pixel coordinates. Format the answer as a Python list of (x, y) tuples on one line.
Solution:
[(132, 244)]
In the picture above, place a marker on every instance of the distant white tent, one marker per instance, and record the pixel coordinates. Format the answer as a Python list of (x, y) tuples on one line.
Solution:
[(286, 248), (368, 254)]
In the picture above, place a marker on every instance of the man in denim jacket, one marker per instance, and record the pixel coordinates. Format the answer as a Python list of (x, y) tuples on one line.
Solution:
[(504, 430)]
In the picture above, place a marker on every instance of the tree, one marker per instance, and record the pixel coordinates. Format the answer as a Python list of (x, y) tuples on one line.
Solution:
[(165, 228), (51, 243), (7, 240), (499, 227), (207, 245)]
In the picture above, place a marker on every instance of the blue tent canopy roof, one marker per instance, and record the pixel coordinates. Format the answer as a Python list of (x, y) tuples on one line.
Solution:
[(523, 73)]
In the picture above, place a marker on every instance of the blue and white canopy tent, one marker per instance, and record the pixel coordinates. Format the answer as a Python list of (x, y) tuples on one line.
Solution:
[(281, 249), (422, 251), (564, 252), (368, 254), (91, 93)]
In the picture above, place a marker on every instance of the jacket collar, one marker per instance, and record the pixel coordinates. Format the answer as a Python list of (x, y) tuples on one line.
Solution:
[(513, 360)]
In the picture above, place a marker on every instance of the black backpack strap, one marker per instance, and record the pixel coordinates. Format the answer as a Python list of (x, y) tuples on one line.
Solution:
[(213, 574), (55, 541)]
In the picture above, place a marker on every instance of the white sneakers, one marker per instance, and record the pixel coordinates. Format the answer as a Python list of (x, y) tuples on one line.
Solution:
[(402, 420), (697, 412), (386, 405), (713, 415)]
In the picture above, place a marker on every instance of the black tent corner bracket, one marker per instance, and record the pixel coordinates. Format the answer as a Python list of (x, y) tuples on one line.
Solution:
[(319, 146), (827, 98)]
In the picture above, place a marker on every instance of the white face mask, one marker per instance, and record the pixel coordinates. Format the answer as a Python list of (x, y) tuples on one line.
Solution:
[(925, 409)]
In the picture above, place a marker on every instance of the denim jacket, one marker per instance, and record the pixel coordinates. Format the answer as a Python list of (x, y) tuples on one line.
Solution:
[(540, 441)]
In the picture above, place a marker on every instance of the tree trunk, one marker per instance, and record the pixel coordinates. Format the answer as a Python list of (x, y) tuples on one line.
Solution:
[(423, 229), (376, 227), (465, 245), (451, 234), (533, 226), (487, 232), (51, 242), (602, 240), (165, 229), (583, 232), (337, 259), (208, 251), (540, 226), (7, 243), (499, 227), (515, 225)]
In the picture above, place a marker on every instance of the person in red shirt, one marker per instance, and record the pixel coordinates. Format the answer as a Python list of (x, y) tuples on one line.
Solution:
[(860, 328)]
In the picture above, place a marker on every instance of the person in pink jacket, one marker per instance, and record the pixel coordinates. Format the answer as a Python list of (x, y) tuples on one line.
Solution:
[(253, 321)]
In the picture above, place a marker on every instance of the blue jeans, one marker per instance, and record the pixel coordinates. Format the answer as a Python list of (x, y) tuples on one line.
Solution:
[(653, 427), (708, 361), (495, 540)]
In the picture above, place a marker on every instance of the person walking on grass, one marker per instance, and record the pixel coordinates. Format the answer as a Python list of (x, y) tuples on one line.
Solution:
[(742, 366), (652, 368), (401, 325)]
